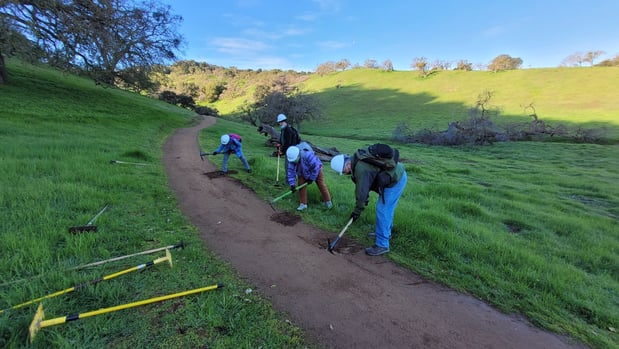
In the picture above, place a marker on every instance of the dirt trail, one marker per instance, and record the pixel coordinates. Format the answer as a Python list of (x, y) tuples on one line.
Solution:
[(341, 301)]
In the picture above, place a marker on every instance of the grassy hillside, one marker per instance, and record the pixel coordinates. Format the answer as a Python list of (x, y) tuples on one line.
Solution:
[(570, 96)]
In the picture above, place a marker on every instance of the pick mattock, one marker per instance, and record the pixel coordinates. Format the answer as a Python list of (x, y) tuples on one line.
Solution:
[(38, 322), (168, 258), (331, 245), (89, 226)]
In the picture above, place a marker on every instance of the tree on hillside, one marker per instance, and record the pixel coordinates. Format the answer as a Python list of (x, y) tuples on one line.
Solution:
[(370, 64), (100, 38), (613, 62), (592, 56), (573, 60), (420, 64), (464, 65), (326, 68), (281, 98), (342, 64), (388, 65), (504, 62)]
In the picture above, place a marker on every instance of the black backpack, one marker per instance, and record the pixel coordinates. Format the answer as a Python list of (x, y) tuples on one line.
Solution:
[(386, 159)]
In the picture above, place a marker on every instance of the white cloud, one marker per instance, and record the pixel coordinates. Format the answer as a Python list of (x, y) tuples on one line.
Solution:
[(333, 45), (238, 46)]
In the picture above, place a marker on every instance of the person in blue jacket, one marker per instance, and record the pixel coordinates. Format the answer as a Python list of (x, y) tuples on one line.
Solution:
[(228, 146), (304, 166)]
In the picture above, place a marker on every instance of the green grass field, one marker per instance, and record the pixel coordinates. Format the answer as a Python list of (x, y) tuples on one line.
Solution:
[(531, 228)]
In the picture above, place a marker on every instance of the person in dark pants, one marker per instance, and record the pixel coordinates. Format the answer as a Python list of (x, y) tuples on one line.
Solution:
[(304, 166), (366, 179), (230, 145), (288, 135)]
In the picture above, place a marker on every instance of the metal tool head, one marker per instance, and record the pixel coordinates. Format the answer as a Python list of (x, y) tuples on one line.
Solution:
[(35, 325)]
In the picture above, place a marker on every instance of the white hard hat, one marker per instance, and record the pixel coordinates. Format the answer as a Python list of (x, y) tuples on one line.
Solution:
[(281, 117), (292, 154), (338, 162), (225, 139)]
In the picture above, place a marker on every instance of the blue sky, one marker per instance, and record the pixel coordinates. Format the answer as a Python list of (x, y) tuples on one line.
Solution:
[(301, 34)]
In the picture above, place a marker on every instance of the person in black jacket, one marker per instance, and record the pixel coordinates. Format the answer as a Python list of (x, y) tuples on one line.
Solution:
[(288, 135)]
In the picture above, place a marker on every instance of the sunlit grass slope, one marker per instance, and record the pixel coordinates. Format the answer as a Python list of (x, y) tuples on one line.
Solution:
[(58, 134)]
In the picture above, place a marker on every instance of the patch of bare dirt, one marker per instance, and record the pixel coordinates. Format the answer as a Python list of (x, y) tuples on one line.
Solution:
[(342, 300)]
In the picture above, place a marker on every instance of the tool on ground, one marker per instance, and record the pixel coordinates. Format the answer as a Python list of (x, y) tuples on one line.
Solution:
[(128, 163), (288, 192), (331, 245), (171, 247), (89, 226), (38, 323), (167, 258)]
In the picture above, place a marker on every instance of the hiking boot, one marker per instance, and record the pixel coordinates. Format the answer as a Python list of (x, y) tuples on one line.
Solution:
[(301, 207), (249, 170), (329, 204), (372, 235), (376, 250)]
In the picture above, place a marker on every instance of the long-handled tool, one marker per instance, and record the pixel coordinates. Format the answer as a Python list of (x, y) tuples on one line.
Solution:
[(38, 322), (277, 177), (128, 163), (170, 247), (203, 154), (167, 258), (288, 192), (89, 226), (331, 245)]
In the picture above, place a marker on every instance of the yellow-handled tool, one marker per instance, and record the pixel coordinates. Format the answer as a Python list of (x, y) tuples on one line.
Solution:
[(38, 322), (167, 258)]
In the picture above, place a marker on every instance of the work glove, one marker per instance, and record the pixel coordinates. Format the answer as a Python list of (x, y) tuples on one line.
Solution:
[(354, 216), (214, 153), (293, 188)]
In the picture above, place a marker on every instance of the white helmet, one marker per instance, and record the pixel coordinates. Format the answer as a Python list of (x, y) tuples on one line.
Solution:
[(292, 154), (338, 162), (225, 139), (281, 117)]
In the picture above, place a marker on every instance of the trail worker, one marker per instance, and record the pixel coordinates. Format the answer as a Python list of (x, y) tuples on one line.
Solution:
[(366, 178), (288, 135), (305, 167), (227, 146)]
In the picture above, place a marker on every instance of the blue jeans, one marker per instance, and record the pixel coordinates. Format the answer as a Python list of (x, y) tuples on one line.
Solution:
[(224, 165), (385, 212)]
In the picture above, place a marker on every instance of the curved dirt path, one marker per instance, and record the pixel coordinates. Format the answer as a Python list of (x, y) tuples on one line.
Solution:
[(341, 301)]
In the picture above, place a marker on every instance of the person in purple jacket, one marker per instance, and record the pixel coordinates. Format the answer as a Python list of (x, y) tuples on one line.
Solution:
[(304, 166)]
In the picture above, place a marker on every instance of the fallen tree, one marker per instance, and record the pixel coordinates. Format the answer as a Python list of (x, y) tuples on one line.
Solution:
[(324, 154)]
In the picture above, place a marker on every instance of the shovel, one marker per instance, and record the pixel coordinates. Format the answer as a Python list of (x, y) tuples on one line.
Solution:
[(89, 226), (331, 245)]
